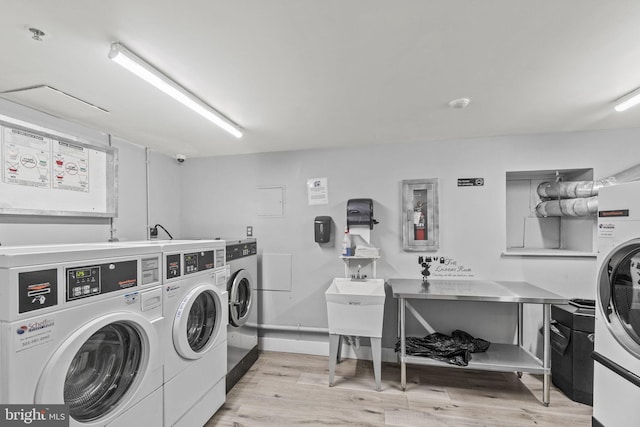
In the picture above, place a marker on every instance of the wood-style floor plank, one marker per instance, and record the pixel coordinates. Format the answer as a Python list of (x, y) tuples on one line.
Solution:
[(284, 389)]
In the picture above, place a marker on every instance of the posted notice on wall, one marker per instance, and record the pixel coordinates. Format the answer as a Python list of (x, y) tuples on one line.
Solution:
[(39, 161), (26, 158), (317, 191), (71, 166)]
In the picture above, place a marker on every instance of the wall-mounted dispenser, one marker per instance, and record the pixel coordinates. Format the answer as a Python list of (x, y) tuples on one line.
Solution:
[(360, 212), (322, 229)]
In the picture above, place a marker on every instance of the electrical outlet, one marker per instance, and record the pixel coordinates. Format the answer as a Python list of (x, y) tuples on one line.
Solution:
[(249, 231)]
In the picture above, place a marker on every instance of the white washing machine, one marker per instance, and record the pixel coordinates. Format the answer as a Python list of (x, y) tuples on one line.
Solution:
[(81, 325), (196, 311), (616, 387), (242, 332)]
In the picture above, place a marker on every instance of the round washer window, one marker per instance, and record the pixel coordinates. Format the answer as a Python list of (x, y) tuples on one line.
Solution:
[(102, 371), (239, 309), (201, 323), (625, 292)]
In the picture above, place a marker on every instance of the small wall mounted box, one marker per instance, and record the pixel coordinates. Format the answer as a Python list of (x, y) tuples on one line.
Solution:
[(322, 229), (360, 212)]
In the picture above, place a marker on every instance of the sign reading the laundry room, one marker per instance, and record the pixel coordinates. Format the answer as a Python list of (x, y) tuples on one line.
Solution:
[(470, 182), (317, 191), (442, 266)]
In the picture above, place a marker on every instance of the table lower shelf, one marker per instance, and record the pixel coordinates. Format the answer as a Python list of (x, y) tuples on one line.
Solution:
[(499, 357)]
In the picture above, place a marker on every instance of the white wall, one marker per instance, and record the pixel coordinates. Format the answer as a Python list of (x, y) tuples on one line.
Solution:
[(131, 223), (472, 220), (132, 196), (164, 203)]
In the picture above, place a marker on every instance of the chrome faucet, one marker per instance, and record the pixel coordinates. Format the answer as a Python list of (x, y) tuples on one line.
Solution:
[(358, 276)]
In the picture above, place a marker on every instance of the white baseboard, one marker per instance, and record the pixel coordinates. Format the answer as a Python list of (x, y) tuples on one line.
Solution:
[(319, 348)]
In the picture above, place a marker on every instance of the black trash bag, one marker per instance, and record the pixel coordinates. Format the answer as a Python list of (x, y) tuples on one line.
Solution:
[(455, 349)]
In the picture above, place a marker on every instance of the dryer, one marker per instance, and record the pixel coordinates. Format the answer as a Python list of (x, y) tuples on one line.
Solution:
[(81, 325), (616, 388), (196, 312), (242, 332)]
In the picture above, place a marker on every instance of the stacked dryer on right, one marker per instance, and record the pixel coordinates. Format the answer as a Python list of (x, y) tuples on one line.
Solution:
[(616, 388), (242, 331)]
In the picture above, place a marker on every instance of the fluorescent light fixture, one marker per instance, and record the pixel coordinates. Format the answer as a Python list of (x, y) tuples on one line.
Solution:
[(628, 101), (147, 72)]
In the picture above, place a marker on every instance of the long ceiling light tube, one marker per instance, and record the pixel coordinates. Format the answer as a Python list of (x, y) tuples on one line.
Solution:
[(127, 59), (629, 100)]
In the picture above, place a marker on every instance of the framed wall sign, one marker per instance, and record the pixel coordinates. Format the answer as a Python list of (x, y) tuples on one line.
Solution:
[(49, 173)]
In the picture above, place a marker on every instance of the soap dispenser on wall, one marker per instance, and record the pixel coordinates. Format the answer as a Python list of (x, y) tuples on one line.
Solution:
[(322, 229)]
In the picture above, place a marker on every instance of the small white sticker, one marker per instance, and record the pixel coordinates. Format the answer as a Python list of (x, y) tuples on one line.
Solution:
[(606, 230), (131, 298), (34, 333), (317, 191)]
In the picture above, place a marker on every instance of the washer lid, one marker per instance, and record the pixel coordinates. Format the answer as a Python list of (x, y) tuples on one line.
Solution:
[(198, 321), (619, 292), (97, 370), (240, 298), (102, 371)]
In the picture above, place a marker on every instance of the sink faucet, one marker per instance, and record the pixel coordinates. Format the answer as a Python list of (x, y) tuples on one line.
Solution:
[(359, 276)]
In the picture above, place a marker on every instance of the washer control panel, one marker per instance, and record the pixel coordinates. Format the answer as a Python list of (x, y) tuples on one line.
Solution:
[(198, 261), (83, 282), (241, 250), (91, 280)]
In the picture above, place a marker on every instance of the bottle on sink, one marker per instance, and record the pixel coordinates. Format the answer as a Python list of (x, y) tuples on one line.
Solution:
[(346, 243)]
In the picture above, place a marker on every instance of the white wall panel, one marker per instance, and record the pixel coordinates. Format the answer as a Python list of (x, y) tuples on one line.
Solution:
[(164, 191), (131, 223)]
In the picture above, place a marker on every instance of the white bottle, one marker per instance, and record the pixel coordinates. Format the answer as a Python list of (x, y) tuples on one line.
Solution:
[(346, 243)]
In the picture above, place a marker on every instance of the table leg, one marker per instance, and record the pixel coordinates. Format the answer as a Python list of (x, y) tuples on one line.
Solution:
[(520, 330), (546, 336), (403, 347), (399, 317)]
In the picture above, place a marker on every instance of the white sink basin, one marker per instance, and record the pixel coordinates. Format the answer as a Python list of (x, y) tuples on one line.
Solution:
[(356, 307)]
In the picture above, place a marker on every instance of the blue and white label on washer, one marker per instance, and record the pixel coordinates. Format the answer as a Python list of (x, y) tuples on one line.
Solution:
[(606, 229), (131, 298), (184, 303), (181, 309), (34, 333)]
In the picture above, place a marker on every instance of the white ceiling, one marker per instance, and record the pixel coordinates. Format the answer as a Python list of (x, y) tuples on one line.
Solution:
[(301, 74)]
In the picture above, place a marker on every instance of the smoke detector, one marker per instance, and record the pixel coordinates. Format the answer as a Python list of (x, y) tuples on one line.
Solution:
[(460, 103), (36, 33)]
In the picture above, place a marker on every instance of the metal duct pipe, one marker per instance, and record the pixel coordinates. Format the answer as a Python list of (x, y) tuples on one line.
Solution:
[(573, 189), (568, 207)]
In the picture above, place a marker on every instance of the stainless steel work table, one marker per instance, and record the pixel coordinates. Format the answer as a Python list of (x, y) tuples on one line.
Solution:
[(499, 357)]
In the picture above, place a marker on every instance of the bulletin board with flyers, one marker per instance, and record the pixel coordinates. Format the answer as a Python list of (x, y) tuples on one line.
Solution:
[(48, 173)]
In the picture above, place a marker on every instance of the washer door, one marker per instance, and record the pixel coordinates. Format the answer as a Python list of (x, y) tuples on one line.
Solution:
[(97, 370), (240, 298), (198, 321), (619, 294)]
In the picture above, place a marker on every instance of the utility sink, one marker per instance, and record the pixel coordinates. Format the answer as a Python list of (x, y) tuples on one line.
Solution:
[(355, 307)]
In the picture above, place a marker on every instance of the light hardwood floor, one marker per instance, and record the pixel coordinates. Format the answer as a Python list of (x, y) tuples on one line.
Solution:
[(284, 389)]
